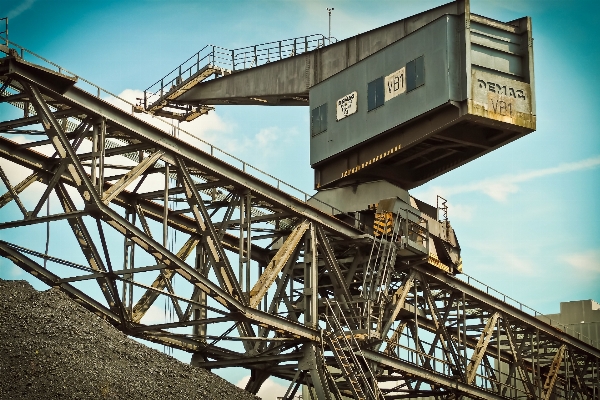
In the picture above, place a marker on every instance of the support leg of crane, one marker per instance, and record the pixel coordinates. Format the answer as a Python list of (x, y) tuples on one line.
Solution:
[(447, 342), (398, 302), (311, 279), (277, 263)]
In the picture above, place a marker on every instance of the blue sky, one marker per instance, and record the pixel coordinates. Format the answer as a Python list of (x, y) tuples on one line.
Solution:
[(527, 215)]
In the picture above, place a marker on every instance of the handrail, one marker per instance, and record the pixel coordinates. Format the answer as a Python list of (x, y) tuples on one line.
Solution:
[(508, 300), (4, 33), (232, 60), (202, 144), (281, 184)]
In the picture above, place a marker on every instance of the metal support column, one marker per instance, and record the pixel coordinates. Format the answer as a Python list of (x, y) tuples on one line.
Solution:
[(245, 242), (310, 279), (166, 207)]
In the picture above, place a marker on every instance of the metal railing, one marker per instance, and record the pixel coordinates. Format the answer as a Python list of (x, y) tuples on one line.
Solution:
[(437, 362), (260, 54), (517, 304), (4, 31), (268, 178), (211, 56), (208, 57), (167, 126)]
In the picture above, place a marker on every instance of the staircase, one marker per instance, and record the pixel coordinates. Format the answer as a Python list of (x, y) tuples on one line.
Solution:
[(212, 62), (160, 98), (382, 259), (348, 355)]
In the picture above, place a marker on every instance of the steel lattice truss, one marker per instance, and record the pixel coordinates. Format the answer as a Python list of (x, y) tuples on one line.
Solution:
[(264, 281)]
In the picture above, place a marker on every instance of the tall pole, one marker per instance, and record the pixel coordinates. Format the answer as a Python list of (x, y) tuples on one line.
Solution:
[(329, 10)]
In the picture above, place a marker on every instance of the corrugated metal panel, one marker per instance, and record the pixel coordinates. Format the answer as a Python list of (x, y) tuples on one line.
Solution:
[(498, 47)]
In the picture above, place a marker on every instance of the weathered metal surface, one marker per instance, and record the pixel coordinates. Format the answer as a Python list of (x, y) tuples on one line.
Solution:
[(434, 325), (458, 87), (431, 116), (501, 99), (296, 74), (277, 263)]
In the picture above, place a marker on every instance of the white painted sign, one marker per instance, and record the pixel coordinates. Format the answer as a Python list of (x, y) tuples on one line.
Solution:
[(395, 84), (346, 105)]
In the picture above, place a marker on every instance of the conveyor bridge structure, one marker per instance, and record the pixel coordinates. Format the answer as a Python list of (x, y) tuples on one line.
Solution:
[(257, 277)]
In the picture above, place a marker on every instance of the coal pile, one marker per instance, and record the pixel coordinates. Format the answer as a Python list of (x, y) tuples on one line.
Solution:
[(52, 348)]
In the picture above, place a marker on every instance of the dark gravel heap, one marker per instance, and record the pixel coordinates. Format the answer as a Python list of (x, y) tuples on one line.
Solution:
[(52, 348)]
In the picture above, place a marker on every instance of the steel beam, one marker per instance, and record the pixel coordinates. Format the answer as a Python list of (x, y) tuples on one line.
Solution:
[(13, 193), (277, 263), (430, 376), (507, 309), (197, 158), (253, 361), (129, 177), (41, 164), (53, 280), (479, 351), (446, 309), (18, 188), (553, 373), (39, 220), (340, 290), (398, 301)]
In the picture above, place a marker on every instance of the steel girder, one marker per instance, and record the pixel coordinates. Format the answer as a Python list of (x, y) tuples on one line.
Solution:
[(432, 334)]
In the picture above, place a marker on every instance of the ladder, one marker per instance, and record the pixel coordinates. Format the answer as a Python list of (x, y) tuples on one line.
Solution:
[(382, 260), (345, 348)]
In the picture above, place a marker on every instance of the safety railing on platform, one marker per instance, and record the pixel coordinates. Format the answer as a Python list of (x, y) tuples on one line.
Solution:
[(208, 56), (212, 56), (252, 56)]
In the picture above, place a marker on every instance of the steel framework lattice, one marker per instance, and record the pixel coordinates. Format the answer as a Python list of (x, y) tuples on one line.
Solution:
[(295, 306)]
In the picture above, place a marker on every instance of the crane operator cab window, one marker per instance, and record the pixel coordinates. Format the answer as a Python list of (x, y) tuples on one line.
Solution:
[(318, 120)]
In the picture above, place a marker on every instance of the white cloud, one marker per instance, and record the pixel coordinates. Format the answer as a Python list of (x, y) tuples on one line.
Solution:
[(154, 315), (270, 390), (267, 136), (499, 188), (23, 6), (499, 257), (15, 174), (587, 261), (210, 128), (460, 212)]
